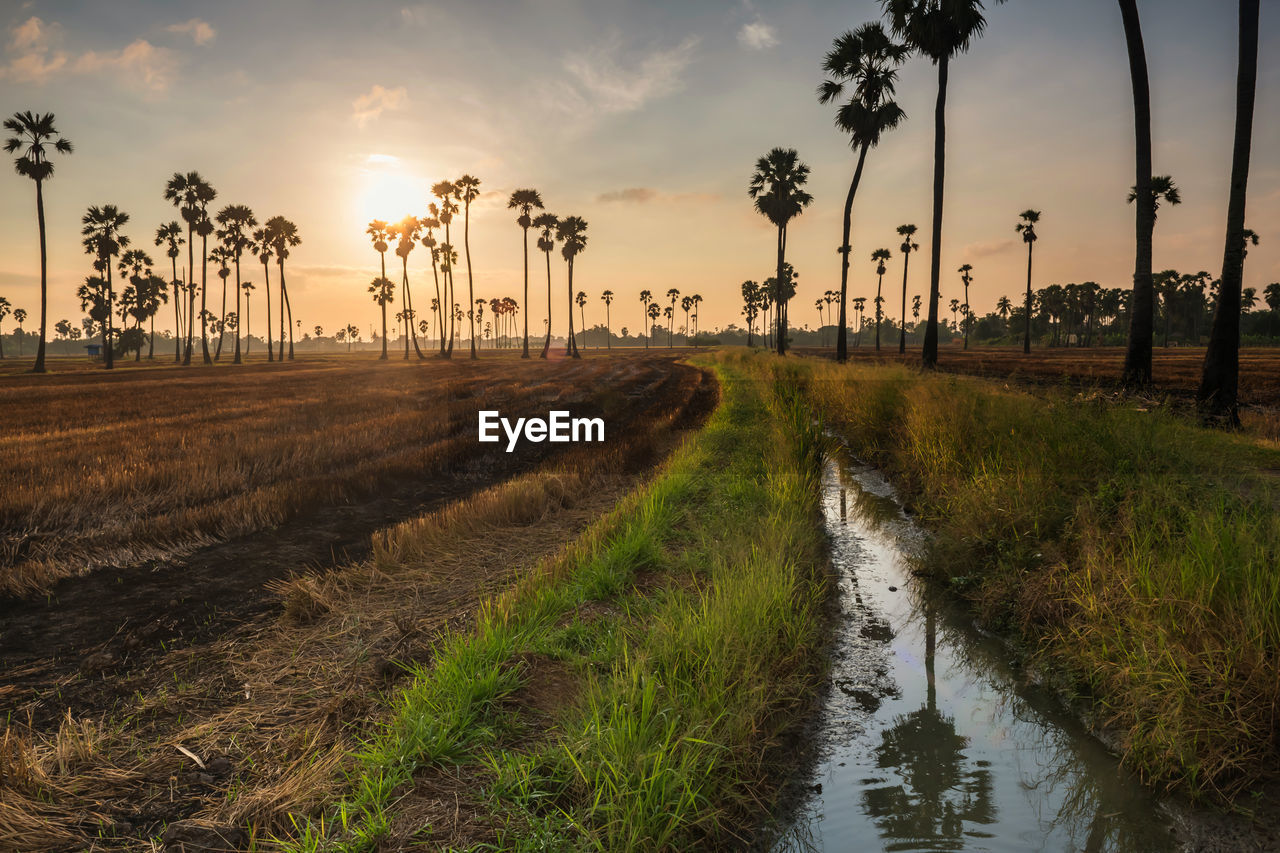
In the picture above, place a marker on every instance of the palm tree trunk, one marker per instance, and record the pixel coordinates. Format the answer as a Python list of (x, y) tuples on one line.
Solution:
[(608, 328), (204, 297), (239, 317), (929, 354), (151, 339), (288, 306), (383, 357), (108, 357), (571, 348), (266, 294), (879, 279), (902, 339), (546, 347), (1217, 397), (842, 340), (44, 278), (177, 312), (191, 295), (222, 322), (404, 300), (525, 303), (1026, 338), (248, 338), (413, 331), (780, 338), (1137, 358), (471, 291)]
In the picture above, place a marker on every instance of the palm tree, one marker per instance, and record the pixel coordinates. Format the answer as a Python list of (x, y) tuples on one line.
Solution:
[(546, 223), (571, 232), (654, 311), (169, 235), (685, 305), (247, 287), (236, 221), (429, 225), (526, 201), (384, 293), (284, 236), (878, 257), (581, 300), (908, 246), (191, 194), (221, 256), (866, 60), (1217, 396), (468, 190), (750, 307), (645, 297), (445, 191), (408, 230), (695, 300), (955, 321), (135, 267), (607, 299), (670, 313), (777, 187), (1003, 306), (1027, 228), (859, 306), (5, 307), (939, 29), (103, 240), (260, 245), (966, 278), (35, 134), (673, 294), (1137, 359)]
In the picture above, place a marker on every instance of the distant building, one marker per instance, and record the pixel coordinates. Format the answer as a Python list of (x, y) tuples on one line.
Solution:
[(94, 351)]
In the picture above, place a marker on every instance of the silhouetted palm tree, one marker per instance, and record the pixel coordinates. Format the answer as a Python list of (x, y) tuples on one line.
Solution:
[(777, 187), (939, 29), (284, 236), (581, 300), (445, 191), (866, 60), (908, 246), (260, 245), (221, 256), (236, 220), (571, 232), (526, 201), (547, 223), (878, 257), (966, 278), (429, 225), (1003, 306), (191, 194), (103, 240), (654, 311), (384, 291), (169, 235), (1218, 393), (247, 287), (1027, 228), (407, 230), (35, 135), (1137, 359), (647, 296), (673, 294), (607, 299), (468, 190), (5, 307)]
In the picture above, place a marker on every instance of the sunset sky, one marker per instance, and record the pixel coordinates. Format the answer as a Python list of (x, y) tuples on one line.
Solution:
[(645, 118)]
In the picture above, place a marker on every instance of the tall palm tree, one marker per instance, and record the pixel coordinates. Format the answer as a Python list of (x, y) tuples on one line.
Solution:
[(247, 287), (908, 246), (446, 191), (260, 245), (379, 233), (607, 299), (571, 232), (468, 190), (526, 201), (778, 189), (429, 225), (1003, 306), (878, 257), (134, 267), (939, 29), (547, 224), (384, 293), (673, 294), (1219, 381), (408, 230), (284, 236), (654, 311), (35, 135), (5, 307), (191, 194), (645, 297), (1027, 228), (103, 240), (236, 220), (221, 256), (169, 235), (581, 300), (695, 300), (670, 313), (966, 278), (865, 60), (1137, 359)]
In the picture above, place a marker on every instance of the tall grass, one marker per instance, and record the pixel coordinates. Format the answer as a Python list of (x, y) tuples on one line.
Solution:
[(1135, 551), (713, 573)]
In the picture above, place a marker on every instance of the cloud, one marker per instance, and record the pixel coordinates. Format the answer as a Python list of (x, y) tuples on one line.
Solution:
[(32, 58), (370, 105), (414, 16), (644, 195), (139, 62), (382, 160), (200, 31), (988, 248), (614, 88), (757, 35)]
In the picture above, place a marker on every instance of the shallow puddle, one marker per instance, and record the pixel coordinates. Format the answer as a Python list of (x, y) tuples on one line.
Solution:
[(931, 738)]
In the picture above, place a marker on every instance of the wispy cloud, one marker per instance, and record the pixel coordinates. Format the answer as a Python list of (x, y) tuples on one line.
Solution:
[(757, 35), (988, 248), (613, 85), (200, 31), (31, 57), (644, 195), (370, 105), (139, 63)]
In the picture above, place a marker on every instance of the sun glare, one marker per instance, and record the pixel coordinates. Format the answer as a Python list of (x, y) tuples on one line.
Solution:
[(388, 192)]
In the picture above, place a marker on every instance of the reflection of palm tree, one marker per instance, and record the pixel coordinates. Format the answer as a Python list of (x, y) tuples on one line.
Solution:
[(934, 794)]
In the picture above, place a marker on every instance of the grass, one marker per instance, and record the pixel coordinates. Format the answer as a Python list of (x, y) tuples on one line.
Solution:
[(1130, 549), (676, 699)]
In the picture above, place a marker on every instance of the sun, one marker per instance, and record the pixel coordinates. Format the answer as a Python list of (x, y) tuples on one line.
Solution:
[(390, 193)]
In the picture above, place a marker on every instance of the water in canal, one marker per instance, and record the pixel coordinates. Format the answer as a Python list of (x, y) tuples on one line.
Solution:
[(931, 739)]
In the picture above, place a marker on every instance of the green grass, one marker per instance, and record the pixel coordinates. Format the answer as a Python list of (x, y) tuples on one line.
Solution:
[(1137, 552), (713, 576)]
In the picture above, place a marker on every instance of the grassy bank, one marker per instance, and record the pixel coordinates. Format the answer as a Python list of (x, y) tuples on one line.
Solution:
[(631, 694), (1133, 551)]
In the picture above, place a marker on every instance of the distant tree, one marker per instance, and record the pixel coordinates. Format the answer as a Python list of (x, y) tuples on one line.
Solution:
[(686, 304), (283, 235), (408, 230), (103, 240), (236, 234), (6, 307), (859, 306), (1003, 306), (966, 279), (1027, 228), (581, 300), (34, 136), (526, 201), (654, 311), (191, 194), (673, 294), (429, 225), (468, 190), (261, 246), (169, 235), (383, 290), (607, 299), (248, 288), (645, 298), (695, 300), (547, 224), (669, 312), (778, 189), (571, 232), (446, 191), (20, 317), (62, 328), (878, 257), (907, 232)]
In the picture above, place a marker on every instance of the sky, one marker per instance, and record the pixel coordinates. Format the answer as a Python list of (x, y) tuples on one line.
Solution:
[(646, 119)]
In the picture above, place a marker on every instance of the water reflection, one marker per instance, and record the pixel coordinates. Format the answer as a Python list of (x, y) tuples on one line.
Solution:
[(933, 740)]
